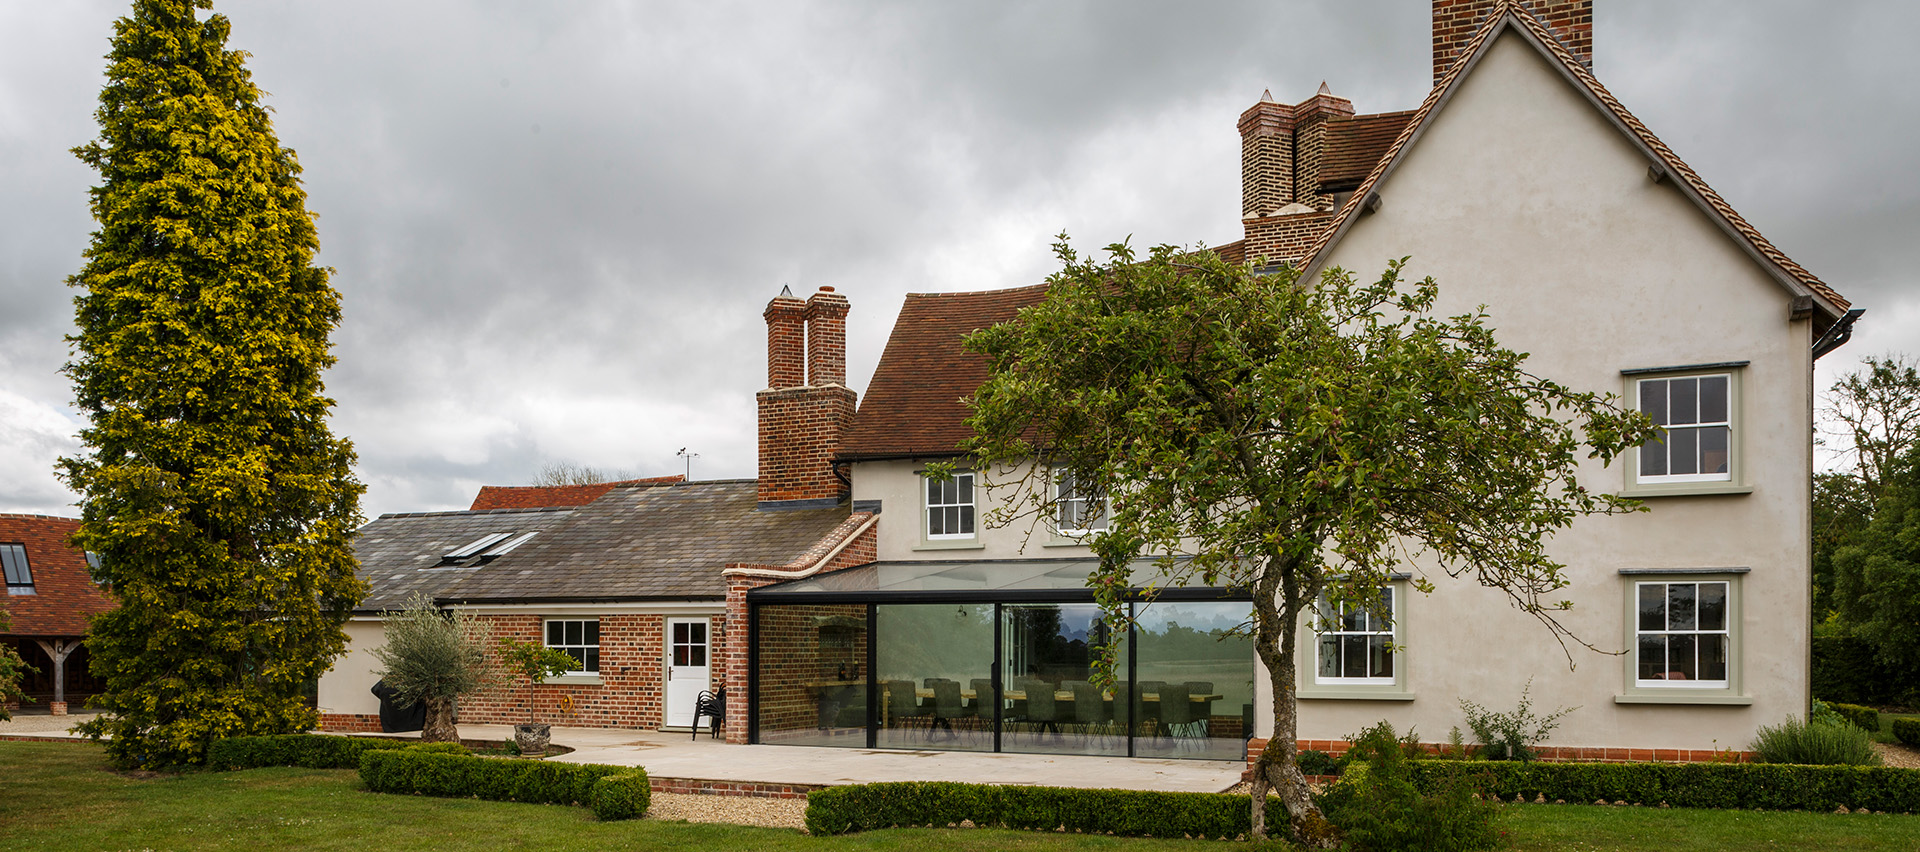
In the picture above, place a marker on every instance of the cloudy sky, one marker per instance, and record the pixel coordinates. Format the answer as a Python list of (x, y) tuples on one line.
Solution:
[(554, 225)]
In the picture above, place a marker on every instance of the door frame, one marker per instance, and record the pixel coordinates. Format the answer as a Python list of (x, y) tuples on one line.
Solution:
[(667, 688)]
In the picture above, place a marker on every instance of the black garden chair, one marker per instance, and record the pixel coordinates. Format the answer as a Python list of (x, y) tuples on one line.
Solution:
[(712, 705)]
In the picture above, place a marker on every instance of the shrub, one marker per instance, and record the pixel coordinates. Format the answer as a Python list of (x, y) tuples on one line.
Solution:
[(1845, 668), (1907, 731), (622, 796), (1865, 717), (1380, 809), (312, 751), (1511, 736), (1815, 743), (1318, 763), (1127, 813), (460, 776), (1688, 785)]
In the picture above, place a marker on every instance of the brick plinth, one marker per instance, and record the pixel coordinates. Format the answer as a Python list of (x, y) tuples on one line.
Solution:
[(1554, 754), (350, 723), (759, 789), (57, 708)]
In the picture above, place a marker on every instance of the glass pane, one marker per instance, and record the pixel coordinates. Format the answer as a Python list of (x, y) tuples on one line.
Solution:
[(579, 659), (593, 632), (966, 520), (1680, 613), (555, 633), (696, 655), (926, 660), (812, 683), (1685, 453), (697, 633), (1684, 401), (591, 660), (1680, 657), (1653, 400), (933, 492), (936, 522), (574, 634), (1353, 618), (1051, 704), (1329, 656), (1653, 606), (1353, 653), (680, 655), (1713, 656), (1653, 657), (1653, 458), (1379, 661), (1713, 606), (1713, 399), (1188, 649), (964, 484), (680, 633), (1713, 449)]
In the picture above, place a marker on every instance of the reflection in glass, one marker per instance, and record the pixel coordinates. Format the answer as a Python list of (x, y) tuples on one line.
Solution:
[(1052, 705), (929, 665), (811, 678), (1194, 697)]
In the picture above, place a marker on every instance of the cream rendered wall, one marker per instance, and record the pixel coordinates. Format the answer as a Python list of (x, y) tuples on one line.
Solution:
[(898, 485), (347, 687), (1522, 197)]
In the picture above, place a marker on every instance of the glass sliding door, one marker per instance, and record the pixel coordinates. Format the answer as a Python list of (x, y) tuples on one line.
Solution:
[(1194, 680), (812, 674), (933, 676), (1050, 703)]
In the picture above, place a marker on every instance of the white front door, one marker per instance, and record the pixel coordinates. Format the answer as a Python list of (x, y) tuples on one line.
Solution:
[(687, 670)]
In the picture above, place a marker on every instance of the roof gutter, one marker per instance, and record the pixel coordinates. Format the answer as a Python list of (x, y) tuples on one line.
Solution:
[(818, 564), (1837, 334)]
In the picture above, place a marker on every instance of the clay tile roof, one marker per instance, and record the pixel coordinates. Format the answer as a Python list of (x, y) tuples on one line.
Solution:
[(1355, 144), (64, 594), (549, 496), (912, 407), (1690, 180)]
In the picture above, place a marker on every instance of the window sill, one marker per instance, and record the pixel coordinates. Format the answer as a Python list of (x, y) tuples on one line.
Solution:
[(1684, 489), (1065, 541), (1683, 697), (574, 680), (954, 544), (1353, 693)]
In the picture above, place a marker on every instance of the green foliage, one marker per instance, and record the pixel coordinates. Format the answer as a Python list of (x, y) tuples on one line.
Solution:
[(1907, 731), (312, 751), (431, 655), (1821, 713), (1847, 668), (12, 670), (1380, 810), (1318, 763), (1296, 438), (1877, 578), (1126, 813), (623, 796), (1816, 743), (533, 661), (1842, 506), (1765, 786), (425, 773), (1867, 718), (1515, 735), (219, 504)]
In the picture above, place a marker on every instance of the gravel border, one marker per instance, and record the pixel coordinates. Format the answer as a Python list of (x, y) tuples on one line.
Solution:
[(736, 810)]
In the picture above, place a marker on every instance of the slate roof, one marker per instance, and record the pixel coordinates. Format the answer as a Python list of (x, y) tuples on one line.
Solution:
[(398, 553), (1515, 15), (649, 543), (64, 594), (912, 407), (548, 496)]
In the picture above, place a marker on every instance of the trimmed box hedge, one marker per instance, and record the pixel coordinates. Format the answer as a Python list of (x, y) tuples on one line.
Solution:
[(503, 780), (1768, 786), (1907, 731), (311, 751), (1864, 717), (1126, 813), (623, 796)]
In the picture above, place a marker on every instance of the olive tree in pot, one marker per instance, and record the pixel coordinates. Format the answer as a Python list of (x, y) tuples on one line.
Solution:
[(432, 657), (534, 662)]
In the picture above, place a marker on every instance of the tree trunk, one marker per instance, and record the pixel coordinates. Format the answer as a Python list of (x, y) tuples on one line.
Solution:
[(1277, 769), (439, 725)]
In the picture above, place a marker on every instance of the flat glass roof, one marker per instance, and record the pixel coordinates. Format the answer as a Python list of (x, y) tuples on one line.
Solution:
[(985, 578)]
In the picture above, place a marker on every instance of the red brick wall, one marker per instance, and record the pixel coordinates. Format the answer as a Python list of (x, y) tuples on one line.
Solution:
[(631, 693), (1285, 237), (1456, 21), (795, 652), (1266, 158), (350, 723), (786, 342), (827, 338), (800, 431)]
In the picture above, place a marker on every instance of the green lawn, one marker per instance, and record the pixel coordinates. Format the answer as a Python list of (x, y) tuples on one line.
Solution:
[(1885, 734), (62, 796)]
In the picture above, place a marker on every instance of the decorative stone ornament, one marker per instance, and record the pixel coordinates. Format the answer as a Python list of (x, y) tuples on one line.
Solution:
[(532, 739)]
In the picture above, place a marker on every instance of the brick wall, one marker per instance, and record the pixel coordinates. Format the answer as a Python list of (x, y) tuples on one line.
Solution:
[(1266, 158), (1309, 144), (1284, 237), (1558, 754), (631, 692), (806, 407), (350, 723), (786, 319), (1456, 21)]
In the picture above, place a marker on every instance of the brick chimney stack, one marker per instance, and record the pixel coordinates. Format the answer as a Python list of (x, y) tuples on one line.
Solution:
[(1456, 21), (806, 406), (1266, 157)]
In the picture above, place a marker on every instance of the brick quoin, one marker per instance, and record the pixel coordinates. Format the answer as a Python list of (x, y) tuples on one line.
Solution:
[(1456, 21)]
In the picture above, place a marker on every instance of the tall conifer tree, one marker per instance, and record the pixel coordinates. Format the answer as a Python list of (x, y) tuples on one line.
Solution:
[(220, 505)]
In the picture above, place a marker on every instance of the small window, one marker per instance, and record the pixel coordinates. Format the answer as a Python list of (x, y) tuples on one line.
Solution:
[(950, 507), (13, 559), (1696, 416), (1355, 644), (1076, 513), (580, 639), (1681, 635)]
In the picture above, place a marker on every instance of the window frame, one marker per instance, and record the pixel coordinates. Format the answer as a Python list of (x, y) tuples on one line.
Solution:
[(546, 631), (17, 564), (1734, 480), (1308, 682), (1634, 690), (1061, 501), (967, 540)]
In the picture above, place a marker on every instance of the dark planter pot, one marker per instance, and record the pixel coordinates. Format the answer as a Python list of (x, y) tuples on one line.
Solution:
[(532, 739)]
